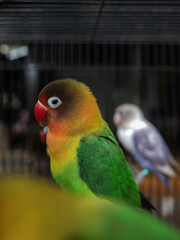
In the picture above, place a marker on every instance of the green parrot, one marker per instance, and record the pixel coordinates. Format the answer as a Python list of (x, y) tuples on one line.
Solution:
[(84, 154), (32, 208)]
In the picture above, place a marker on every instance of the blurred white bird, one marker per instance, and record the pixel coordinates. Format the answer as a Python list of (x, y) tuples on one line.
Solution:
[(143, 141)]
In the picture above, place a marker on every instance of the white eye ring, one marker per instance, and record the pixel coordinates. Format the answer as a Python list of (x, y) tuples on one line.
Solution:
[(54, 102)]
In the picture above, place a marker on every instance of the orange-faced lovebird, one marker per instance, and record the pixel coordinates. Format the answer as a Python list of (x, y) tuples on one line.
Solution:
[(85, 156), (35, 209), (144, 142)]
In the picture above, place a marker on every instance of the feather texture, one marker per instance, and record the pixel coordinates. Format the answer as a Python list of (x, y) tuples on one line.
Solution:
[(104, 169)]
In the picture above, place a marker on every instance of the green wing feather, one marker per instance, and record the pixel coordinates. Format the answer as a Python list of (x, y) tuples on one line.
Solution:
[(104, 169)]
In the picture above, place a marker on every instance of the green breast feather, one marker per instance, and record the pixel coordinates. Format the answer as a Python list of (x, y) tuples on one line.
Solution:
[(104, 169)]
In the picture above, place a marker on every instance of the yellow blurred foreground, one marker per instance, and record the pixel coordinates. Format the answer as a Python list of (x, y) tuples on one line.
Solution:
[(34, 209)]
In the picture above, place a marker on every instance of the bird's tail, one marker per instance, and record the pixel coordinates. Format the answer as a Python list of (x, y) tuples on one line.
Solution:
[(166, 170), (145, 203), (174, 163)]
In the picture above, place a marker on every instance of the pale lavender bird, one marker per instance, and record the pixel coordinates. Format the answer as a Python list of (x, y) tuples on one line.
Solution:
[(143, 141)]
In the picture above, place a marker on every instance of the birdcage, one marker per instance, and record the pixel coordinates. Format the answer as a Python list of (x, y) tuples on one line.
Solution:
[(126, 51)]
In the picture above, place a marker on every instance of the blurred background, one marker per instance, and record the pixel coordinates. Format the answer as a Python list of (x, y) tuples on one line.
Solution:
[(126, 51)]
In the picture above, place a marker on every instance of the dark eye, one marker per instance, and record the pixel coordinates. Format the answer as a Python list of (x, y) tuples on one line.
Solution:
[(54, 102), (125, 114)]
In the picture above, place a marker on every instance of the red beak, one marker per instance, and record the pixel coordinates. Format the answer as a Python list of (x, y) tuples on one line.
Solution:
[(40, 112)]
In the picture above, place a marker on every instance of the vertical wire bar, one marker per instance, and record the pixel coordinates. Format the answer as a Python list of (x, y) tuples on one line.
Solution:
[(46, 76), (10, 115), (12, 120), (134, 62), (55, 60), (4, 144), (67, 57), (147, 81), (63, 57), (71, 54), (166, 103), (174, 121), (105, 55), (143, 61), (59, 60), (173, 94), (130, 68), (44, 63), (156, 75), (121, 64), (30, 58), (6, 78), (96, 55), (34, 51), (176, 181), (121, 54), (138, 74), (21, 162), (79, 56), (88, 54), (113, 55), (151, 86), (178, 98), (52, 62), (43, 47)]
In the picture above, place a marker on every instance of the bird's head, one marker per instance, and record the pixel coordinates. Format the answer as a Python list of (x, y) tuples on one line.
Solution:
[(126, 113), (67, 106)]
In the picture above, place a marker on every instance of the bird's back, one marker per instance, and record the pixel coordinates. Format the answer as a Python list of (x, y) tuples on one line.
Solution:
[(104, 168)]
